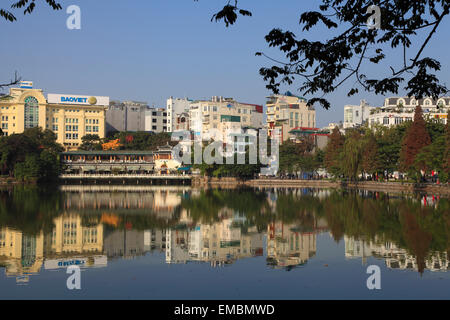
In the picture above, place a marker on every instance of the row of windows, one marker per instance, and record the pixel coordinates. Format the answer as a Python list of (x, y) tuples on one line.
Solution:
[(73, 110), (71, 128), (71, 136), (92, 129), (70, 120), (386, 120), (215, 109)]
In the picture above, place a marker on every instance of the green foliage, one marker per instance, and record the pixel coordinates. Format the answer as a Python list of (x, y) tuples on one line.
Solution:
[(91, 142), (143, 140), (378, 150), (31, 156)]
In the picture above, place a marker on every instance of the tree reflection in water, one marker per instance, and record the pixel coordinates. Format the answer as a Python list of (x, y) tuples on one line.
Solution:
[(217, 226)]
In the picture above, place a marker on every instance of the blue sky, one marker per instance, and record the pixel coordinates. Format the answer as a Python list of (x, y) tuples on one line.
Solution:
[(148, 50)]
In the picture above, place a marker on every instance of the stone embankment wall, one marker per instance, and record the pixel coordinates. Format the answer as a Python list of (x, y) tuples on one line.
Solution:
[(443, 189)]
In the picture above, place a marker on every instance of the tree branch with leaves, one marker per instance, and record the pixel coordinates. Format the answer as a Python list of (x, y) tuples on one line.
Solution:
[(323, 66)]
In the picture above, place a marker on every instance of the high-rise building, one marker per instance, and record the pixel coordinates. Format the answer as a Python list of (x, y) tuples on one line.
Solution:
[(175, 108), (219, 117), (70, 117), (126, 116), (287, 112)]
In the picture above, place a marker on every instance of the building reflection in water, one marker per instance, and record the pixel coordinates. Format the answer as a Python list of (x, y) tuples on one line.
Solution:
[(394, 256), (99, 224)]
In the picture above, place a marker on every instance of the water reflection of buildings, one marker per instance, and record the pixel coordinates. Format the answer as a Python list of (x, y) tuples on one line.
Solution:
[(21, 255), (219, 243), (394, 256), (161, 202), (133, 243), (288, 247), (69, 243)]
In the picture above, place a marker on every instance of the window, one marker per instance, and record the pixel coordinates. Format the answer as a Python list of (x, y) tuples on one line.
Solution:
[(348, 115), (398, 120), (386, 120), (55, 127), (31, 114), (154, 120), (153, 127)]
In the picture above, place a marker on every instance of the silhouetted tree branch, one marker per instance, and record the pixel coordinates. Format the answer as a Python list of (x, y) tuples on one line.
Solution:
[(323, 66), (28, 6)]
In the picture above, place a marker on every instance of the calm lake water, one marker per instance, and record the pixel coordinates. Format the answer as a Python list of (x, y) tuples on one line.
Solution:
[(180, 243)]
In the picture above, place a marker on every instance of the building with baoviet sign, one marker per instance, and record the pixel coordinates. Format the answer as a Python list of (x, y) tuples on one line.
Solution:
[(69, 116)]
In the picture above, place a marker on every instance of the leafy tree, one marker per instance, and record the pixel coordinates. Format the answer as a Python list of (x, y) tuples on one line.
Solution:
[(352, 155), (32, 155), (91, 142), (143, 140), (46, 139), (431, 157), (29, 169), (323, 66), (290, 156), (370, 162), (332, 152), (415, 139), (389, 140)]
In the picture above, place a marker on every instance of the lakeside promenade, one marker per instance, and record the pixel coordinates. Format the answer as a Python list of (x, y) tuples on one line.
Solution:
[(432, 188), (231, 182)]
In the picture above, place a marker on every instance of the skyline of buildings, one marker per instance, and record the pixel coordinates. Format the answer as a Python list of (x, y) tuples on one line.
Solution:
[(71, 117)]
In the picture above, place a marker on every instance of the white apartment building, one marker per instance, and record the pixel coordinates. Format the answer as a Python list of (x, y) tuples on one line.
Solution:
[(355, 116), (219, 117), (175, 108), (397, 110)]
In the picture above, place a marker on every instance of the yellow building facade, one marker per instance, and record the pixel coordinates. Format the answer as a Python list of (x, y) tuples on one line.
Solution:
[(70, 117), (288, 112), (21, 254)]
